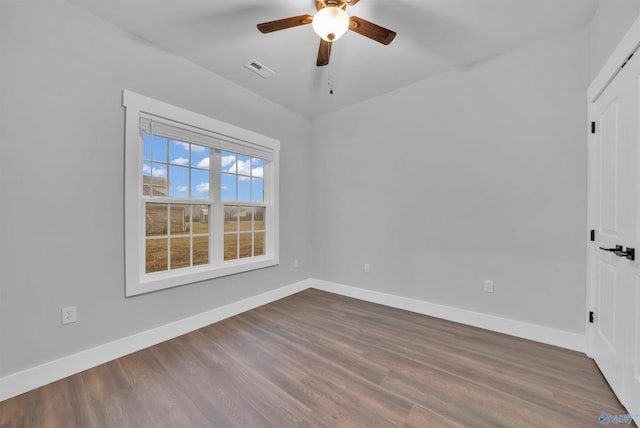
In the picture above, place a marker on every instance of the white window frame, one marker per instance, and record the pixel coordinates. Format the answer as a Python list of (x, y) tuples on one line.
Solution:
[(136, 280)]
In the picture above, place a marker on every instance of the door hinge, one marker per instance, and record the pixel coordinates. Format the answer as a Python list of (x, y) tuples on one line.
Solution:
[(593, 127), (593, 235), (591, 317)]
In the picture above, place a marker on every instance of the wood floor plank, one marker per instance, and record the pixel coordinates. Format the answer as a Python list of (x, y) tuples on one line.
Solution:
[(316, 359), (105, 380)]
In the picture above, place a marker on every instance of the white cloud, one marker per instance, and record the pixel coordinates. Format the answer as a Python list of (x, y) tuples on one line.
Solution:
[(181, 144), (156, 172), (228, 160), (182, 188), (204, 163), (244, 167), (202, 187), (241, 167), (180, 161), (194, 147)]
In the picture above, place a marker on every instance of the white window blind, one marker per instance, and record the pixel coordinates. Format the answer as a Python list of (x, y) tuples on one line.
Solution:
[(155, 125)]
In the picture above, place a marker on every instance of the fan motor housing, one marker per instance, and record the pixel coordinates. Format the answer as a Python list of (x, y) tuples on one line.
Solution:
[(342, 4)]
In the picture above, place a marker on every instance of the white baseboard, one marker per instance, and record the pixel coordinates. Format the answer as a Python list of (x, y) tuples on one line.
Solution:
[(18, 383), (550, 336)]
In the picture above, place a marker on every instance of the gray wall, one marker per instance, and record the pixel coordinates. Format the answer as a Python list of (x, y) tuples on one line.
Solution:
[(608, 25), (62, 156), (475, 174)]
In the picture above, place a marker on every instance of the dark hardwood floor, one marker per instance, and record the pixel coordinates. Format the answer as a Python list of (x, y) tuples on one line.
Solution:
[(317, 359)]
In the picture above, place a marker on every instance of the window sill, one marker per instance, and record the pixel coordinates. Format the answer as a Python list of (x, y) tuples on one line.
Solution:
[(162, 280)]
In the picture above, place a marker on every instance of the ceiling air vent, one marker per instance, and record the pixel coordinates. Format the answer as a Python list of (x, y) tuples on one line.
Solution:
[(260, 69)]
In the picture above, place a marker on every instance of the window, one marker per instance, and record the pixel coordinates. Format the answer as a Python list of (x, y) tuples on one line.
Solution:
[(201, 197)]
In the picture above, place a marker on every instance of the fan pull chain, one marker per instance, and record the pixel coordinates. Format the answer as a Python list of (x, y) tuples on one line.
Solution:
[(330, 78)]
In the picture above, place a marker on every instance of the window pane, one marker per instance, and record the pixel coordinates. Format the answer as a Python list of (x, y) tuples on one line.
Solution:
[(180, 253), (258, 244), (146, 147), (199, 184), (159, 149), (179, 219), (158, 170), (156, 219), (200, 156), (245, 216), (146, 169), (244, 188), (146, 179), (244, 165), (230, 218), (257, 167), (230, 246), (200, 215), (228, 162), (156, 255), (246, 245), (200, 250), (179, 181), (258, 218), (178, 153), (257, 190), (228, 187)]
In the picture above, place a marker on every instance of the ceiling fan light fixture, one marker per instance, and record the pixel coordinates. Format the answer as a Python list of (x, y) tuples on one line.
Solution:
[(330, 23)]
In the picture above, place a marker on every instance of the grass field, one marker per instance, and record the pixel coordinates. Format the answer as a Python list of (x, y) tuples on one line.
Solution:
[(239, 242)]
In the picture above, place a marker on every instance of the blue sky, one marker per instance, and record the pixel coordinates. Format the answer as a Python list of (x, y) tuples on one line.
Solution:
[(242, 177)]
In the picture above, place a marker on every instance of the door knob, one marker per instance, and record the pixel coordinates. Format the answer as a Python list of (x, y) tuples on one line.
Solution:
[(628, 253), (613, 250)]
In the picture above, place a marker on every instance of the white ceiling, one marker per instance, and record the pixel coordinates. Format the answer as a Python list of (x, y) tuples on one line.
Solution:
[(434, 36)]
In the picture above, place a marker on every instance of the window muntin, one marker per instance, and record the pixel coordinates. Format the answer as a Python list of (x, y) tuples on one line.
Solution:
[(175, 168), (244, 225), (176, 230), (176, 236), (244, 231), (242, 178)]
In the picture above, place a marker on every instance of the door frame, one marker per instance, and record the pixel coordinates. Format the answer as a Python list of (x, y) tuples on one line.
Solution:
[(628, 45)]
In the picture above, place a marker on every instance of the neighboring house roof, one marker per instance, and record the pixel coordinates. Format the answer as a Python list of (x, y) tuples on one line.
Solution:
[(154, 186)]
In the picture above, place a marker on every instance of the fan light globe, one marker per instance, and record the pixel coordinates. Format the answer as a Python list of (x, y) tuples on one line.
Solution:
[(330, 23)]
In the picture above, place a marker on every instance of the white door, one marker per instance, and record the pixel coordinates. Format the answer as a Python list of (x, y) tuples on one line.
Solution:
[(614, 292)]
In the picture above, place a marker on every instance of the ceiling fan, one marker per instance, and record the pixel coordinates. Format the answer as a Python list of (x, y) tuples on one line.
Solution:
[(330, 22)]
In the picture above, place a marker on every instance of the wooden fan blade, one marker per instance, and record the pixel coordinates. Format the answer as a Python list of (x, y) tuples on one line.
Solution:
[(371, 30), (281, 24), (324, 53)]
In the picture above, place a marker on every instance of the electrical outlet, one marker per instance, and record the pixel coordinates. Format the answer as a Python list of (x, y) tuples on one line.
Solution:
[(367, 268), (69, 315), (488, 286)]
